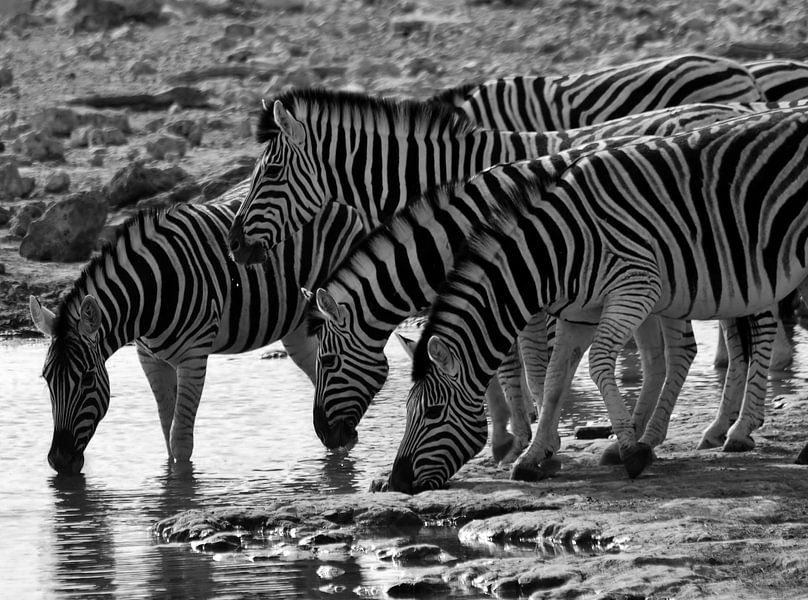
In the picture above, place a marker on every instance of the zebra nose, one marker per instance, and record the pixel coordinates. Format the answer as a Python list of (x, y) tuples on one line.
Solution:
[(340, 434), (401, 476), (63, 458)]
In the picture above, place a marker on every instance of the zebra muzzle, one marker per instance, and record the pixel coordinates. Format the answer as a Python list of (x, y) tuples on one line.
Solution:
[(63, 456), (339, 434)]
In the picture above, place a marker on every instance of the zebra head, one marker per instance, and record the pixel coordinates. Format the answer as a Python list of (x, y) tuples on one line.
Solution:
[(351, 369), (77, 379), (446, 424), (283, 193)]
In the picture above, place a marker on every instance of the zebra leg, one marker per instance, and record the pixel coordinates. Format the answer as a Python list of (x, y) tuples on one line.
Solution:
[(539, 460), (782, 349), (302, 349), (734, 380), (721, 360), (680, 350), (763, 328), (651, 346), (624, 310), (162, 379), (190, 381), (499, 402)]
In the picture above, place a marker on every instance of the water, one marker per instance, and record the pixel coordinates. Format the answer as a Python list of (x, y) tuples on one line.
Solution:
[(89, 536)]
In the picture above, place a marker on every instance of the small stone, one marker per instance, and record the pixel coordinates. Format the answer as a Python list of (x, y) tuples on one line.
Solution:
[(239, 31), (96, 50), (39, 146), (428, 586), (325, 538), (97, 136), (142, 67), (413, 553), (189, 129), (11, 184), (5, 215), (324, 571), (104, 118), (224, 44), (97, 157), (57, 182), (6, 77), (155, 125), (55, 120), (218, 542), (136, 181), (163, 145)]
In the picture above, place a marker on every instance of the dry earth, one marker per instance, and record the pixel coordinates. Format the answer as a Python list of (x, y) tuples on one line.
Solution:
[(697, 524)]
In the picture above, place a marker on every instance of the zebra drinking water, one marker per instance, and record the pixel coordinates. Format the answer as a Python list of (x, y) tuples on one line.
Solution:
[(707, 224)]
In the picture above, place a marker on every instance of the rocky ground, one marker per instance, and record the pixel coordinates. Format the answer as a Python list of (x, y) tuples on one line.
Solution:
[(101, 101)]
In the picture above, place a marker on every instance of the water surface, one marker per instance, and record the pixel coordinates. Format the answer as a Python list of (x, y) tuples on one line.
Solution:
[(89, 536)]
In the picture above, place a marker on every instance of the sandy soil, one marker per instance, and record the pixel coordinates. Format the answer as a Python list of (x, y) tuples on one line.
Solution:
[(696, 524)]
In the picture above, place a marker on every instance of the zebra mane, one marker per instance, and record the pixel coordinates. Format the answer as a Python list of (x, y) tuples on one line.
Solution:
[(454, 96), (370, 109), (519, 196)]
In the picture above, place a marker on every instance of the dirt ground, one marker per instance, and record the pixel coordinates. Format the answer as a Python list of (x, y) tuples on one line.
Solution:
[(731, 526)]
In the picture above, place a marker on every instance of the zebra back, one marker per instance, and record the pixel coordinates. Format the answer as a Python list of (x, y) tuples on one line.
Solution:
[(781, 80)]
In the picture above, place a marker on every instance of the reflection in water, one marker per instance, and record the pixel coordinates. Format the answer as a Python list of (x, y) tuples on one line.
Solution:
[(83, 539)]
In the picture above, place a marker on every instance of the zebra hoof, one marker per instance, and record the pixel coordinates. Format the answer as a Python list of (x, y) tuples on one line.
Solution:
[(527, 472), (635, 459), (501, 450), (742, 445), (611, 455), (802, 458), (708, 443)]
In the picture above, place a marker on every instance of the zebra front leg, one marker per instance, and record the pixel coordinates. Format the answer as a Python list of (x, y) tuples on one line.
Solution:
[(499, 411), (626, 307), (680, 350), (190, 381), (651, 346), (162, 379), (762, 330), (302, 349), (539, 460)]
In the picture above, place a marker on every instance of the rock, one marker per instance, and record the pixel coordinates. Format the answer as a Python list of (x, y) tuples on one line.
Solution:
[(104, 119), (224, 44), (428, 586), (5, 215), (531, 527), (57, 182), (218, 542), (97, 136), (97, 157), (11, 184), (216, 185), (6, 77), (385, 517), (421, 553), (592, 432), (154, 125), (136, 181), (325, 538), (142, 67), (68, 230), (239, 31), (324, 571), (55, 120), (160, 146), (189, 129), (97, 15), (2, 269), (19, 223), (39, 146)]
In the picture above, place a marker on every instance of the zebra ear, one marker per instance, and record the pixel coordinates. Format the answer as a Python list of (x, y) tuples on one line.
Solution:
[(289, 126), (442, 356), (409, 344), (41, 316), (307, 294), (89, 316), (329, 307)]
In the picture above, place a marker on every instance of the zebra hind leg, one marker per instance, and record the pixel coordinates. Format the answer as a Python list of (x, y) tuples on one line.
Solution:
[(190, 381), (763, 328), (162, 379)]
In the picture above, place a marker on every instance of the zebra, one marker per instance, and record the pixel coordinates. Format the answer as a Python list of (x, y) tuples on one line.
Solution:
[(705, 224), (780, 79), (167, 283), (557, 102), (385, 281)]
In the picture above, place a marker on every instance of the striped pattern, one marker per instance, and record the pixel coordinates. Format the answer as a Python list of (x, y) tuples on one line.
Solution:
[(384, 283), (535, 103), (168, 284), (724, 235), (780, 80)]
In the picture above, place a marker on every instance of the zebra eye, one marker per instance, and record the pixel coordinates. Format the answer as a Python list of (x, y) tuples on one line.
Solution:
[(273, 171), (88, 378), (433, 412), (329, 361)]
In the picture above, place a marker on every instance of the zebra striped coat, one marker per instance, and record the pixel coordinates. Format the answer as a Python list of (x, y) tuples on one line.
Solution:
[(780, 80), (707, 224), (396, 271), (168, 284), (555, 102)]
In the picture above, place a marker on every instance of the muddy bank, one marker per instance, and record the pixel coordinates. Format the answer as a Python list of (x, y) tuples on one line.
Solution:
[(697, 524)]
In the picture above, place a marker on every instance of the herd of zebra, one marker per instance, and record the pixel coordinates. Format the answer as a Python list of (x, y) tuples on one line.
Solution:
[(535, 217)]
